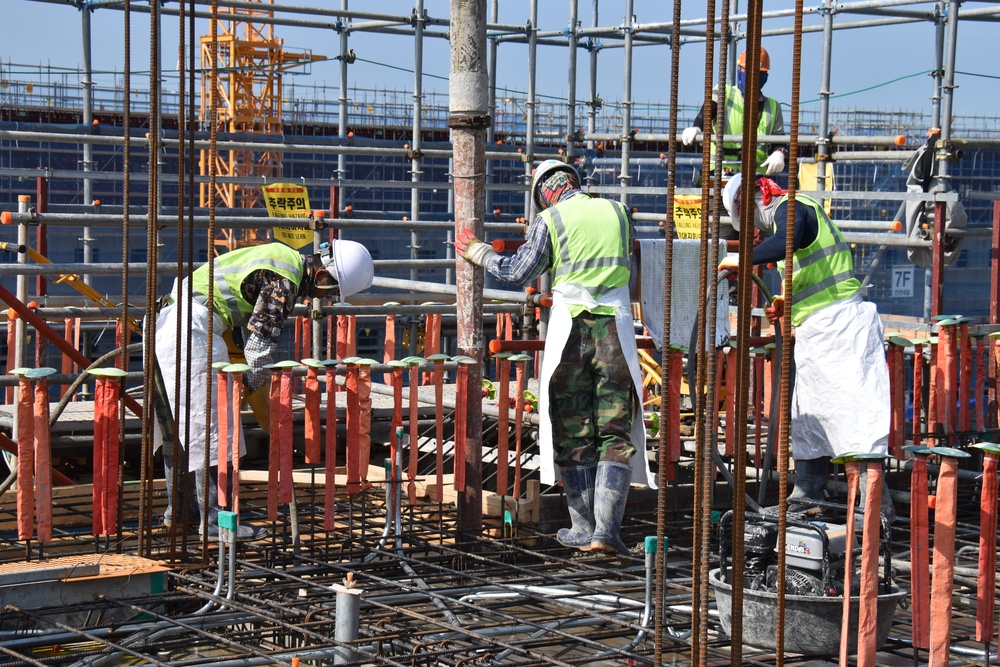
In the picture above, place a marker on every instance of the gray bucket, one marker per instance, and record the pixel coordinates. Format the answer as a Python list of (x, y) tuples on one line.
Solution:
[(812, 623)]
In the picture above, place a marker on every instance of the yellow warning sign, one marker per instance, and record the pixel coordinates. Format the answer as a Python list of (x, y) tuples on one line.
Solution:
[(288, 200), (687, 216)]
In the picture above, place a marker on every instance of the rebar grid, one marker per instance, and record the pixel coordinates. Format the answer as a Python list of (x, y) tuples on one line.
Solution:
[(430, 598)]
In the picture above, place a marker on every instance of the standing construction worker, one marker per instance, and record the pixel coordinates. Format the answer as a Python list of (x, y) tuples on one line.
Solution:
[(590, 411), (840, 402), (255, 290), (770, 121)]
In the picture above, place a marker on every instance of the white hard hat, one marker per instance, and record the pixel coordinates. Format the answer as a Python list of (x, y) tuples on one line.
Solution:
[(729, 197), (542, 172), (352, 265)]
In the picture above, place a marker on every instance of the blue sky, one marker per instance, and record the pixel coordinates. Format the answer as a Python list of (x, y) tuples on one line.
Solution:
[(884, 67)]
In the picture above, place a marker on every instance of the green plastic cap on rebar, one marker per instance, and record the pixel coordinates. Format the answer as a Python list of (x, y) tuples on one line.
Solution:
[(507, 517), (845, 458), (900, 341), (350, 361), (229, 520), (950, 452), (313, 363), (399, 431), (714, 517), (286, 364), (413, 360), (219, 365), (235, 368), (463, 359), (650, 544), (989, 447), (918, 450), (100, 372), (438, 358)]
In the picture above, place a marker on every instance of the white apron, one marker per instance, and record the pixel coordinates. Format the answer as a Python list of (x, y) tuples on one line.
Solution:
[(558, 332), (840, 403), (166, 330)]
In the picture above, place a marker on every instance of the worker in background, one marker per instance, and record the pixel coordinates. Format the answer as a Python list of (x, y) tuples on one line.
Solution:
[(590, 413), (840, 402), (255, 290), (770, 121)]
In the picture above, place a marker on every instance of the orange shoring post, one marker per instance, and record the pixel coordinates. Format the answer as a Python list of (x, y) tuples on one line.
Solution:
[(987, 579), (389, 348), (110, 490), (943, 568), (897, 399), (11, 345), (768, 377), (43, 460), (411, 469), (995, 367), (919, 548), (758, 407), (952, 378), (306, 324), (964, 377), (100, 458), (222, 397), (519, 385), (933, 389), (947, 365), (852, 467), (731, 432), (503, 422), (352, 336), (461, 424), (868, 586), (330, 468), (364, 421), (343, 346), (273, 463), (312, 416), (286, 488), (979, 387), (25, 460), (352, 427), (439, 426), (237, 399), (675, 370), (918, 389), (397, 415), (67, 363), (432, 341)]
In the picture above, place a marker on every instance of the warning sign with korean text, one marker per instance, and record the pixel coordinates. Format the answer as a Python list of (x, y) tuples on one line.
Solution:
[(288, 200)]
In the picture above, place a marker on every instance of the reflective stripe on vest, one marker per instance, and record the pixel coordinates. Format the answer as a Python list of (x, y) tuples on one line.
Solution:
[(734, 125), (589, 238), (823, 271), (232, 268)]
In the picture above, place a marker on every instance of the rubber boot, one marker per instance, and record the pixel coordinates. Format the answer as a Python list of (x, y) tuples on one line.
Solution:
[(887, 508), (610, 495), (810, 478), (578, 481)]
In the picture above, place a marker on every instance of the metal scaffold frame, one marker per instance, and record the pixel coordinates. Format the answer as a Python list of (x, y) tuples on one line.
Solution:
[(405, 569)]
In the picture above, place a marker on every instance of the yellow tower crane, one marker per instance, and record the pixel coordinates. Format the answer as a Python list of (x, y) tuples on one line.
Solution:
[(247, 99)]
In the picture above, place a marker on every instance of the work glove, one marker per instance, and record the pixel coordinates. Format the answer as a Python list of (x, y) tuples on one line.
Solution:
[(730, 263), (471, 248), (776, 310), (775, 164), (689, 135)]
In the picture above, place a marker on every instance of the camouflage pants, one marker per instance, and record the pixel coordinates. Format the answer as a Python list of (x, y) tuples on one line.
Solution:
[(591, 396)]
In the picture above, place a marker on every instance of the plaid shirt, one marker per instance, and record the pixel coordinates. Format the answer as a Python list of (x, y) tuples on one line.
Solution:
[(273, 297)]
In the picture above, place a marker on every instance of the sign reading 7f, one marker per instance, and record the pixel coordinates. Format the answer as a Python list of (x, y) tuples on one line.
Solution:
[(903, 278)]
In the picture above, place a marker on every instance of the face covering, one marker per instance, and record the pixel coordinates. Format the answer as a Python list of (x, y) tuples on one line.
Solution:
[(741, 77)]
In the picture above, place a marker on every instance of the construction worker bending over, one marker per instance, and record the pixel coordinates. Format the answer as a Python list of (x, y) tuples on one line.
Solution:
[(589, 408), (255, 290), (770, 121), (840, 402)]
